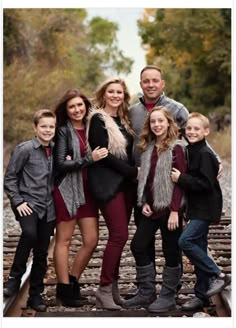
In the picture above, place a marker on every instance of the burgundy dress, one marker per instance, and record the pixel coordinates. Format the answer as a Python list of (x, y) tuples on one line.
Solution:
[(89, 209)]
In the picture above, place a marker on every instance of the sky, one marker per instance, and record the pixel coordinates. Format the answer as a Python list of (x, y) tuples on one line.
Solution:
[(128, 39)]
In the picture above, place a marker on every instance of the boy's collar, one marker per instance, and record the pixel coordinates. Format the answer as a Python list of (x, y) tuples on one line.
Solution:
[(37, 144), (200, 142)]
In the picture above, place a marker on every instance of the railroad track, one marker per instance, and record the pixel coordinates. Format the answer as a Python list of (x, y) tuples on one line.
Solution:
[(219, 247)]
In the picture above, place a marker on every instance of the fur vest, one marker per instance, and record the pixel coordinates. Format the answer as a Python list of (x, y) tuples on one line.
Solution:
[(162, 184), (116, 141)]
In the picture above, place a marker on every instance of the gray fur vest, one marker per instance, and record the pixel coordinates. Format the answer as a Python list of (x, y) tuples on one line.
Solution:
[(116, 141), (162, 184)]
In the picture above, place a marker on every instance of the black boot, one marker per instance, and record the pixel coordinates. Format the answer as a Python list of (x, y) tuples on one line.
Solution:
[(36, 303), (11, 286), (146, 288), (66, 295), (166, 300), (74, 282)]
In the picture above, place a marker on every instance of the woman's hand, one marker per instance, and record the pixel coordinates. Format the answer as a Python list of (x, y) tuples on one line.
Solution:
[(147, 211), (99, 153), (175, 175), (24, 210), (173, 221)]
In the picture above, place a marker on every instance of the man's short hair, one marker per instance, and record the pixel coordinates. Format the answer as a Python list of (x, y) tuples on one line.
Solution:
[(150, 67)]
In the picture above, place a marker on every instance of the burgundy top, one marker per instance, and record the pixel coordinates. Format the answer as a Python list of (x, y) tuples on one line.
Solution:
[(149, 107), (48, 150), (179, 162), (82, 142)]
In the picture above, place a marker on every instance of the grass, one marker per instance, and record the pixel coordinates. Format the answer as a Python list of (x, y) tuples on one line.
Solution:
[(220, 141)]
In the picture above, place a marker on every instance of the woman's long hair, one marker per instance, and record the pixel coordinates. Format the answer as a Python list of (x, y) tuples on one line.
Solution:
[(147, 136), (60, 108), (123, 110)]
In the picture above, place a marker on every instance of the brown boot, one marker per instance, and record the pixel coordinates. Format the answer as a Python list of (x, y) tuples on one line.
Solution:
[(115, 293), (104, 298)]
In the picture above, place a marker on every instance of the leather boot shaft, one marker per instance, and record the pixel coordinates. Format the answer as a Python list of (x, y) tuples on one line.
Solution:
[(104, 298)]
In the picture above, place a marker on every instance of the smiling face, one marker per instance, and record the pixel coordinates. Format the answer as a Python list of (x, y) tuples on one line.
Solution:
[(195, 130), (152, 85), (159, 124), (76, 110), (114, 95), (45, 130)]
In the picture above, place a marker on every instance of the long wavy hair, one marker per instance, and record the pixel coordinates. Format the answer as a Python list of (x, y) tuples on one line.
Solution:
[(147, 136), (123, 110), (60, 108)]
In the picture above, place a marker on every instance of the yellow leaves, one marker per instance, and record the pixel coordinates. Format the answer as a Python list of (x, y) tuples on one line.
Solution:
[(183, 60)]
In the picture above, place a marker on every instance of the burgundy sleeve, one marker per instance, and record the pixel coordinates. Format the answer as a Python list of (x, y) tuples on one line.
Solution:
[(179, 162)]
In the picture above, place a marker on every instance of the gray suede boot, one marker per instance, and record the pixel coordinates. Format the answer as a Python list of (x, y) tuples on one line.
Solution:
[(166, 300), (115, 293), (104, 298), (146, 288)]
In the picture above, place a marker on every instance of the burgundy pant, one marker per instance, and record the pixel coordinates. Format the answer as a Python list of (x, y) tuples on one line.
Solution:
[(117, 214)]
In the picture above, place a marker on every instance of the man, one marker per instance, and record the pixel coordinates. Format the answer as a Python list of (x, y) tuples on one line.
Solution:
[(152, 84)]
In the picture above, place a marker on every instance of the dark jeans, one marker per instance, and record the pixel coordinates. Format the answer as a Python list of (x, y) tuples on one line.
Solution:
[(35, 235), (143, 238), (193, 242)]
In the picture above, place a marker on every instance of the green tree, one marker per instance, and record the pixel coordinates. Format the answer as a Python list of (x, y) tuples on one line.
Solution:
[(193, 46), (46, 52)]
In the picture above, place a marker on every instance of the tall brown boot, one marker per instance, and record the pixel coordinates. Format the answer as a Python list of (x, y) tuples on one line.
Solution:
[(104, 298)]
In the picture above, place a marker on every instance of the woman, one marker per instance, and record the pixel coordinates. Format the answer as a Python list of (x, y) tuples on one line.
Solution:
[(161, 202), (110, 180), (73, 202)]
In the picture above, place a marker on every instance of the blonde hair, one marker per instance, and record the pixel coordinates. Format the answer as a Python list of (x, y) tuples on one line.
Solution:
[(123, 110), (147, 136), (201, 117)]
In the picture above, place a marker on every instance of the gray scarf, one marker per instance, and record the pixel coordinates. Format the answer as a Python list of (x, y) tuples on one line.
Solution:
[(71, 187), (162, 184)]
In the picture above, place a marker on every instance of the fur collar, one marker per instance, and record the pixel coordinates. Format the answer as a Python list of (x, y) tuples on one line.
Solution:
[(116, 140), (162, 184)]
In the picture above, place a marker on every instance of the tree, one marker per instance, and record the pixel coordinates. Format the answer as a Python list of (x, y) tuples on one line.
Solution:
[(193, 46), (46, 52)]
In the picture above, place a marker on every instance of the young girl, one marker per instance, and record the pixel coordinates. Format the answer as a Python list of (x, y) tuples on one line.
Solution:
[(73, 202), (161, 208)]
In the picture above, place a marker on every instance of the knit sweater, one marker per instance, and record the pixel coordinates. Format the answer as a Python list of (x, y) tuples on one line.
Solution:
[(204, 196)]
